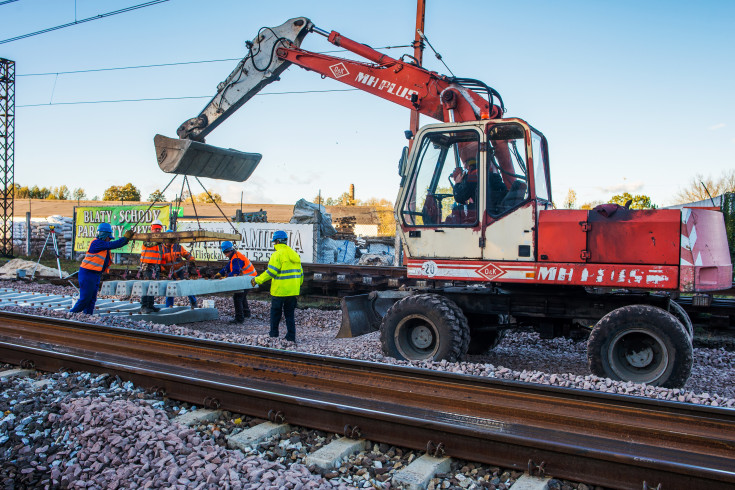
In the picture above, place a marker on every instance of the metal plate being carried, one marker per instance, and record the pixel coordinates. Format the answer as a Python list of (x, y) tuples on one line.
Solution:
[(187, 236), (187, 157)]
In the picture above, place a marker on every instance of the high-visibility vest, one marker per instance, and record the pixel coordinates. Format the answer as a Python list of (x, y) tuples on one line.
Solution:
[(247, 266), (172, 254), (284, 268), (151, 255), (96, 261)]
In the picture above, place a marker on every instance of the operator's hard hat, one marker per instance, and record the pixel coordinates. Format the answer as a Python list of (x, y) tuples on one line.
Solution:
[(468, 152), (226, 246), (104, 227), (280, 235)]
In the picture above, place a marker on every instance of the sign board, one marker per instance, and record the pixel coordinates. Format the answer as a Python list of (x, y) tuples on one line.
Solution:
[(121, 218), (256, 239)]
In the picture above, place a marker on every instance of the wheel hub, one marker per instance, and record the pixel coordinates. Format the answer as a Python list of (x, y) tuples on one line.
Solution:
[(640, 358), (421, 337)]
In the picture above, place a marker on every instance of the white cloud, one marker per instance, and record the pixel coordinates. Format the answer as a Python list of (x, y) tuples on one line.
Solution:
[(624, 187), (715, 127)]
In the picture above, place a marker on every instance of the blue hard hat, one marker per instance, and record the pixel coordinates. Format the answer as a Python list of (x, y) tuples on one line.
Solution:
[(280, 235), (226, 246), (169, 230), (104, 227)]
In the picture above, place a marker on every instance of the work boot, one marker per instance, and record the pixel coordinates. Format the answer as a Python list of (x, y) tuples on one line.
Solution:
[(235, 320), (247, 314), (147, 309)]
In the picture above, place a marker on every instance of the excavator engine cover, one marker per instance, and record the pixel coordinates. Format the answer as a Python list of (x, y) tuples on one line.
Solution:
[(183, 156)]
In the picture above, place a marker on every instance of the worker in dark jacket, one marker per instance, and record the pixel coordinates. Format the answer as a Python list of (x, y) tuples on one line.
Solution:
[(239, 266), (95, 263), (284, 268)]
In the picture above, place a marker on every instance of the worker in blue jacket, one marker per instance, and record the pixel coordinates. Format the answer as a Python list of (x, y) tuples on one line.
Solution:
[(95, 263)]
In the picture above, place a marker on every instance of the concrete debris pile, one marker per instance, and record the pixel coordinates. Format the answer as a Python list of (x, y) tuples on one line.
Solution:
[(40, 229), (10, 270)]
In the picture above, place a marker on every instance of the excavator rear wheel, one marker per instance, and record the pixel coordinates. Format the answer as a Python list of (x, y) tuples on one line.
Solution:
[(642, 344), (425, 327)]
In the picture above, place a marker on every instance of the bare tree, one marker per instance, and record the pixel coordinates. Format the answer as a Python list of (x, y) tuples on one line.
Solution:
[(695, 190)]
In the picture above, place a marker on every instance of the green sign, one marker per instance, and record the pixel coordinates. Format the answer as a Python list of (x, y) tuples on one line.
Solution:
[(121, 218)]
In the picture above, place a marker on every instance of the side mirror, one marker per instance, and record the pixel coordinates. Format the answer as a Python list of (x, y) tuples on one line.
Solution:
[(402, 161)]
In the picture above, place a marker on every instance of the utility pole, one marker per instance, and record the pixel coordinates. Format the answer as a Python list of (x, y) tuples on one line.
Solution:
[(7, 155), (418, 53)]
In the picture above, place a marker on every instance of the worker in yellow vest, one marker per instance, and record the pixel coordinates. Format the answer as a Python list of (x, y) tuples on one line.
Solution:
[(284, 268), (95, 263), (239, 265), (151, 259)]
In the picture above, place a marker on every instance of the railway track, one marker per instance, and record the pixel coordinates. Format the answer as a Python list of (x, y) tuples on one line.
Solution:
[(603, 439)]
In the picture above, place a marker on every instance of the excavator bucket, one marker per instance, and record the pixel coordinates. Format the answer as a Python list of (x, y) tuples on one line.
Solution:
[(183, 156), (363, 313), (358, 316)]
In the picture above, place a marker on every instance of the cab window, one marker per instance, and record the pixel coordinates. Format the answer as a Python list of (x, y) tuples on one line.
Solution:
[(443, 190), (507, 186)]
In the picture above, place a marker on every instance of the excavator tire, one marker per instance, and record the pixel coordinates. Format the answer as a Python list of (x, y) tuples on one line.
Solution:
[(678, 311), (425, 327), (642, 344)]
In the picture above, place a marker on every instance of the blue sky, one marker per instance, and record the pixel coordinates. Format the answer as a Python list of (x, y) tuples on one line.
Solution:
[(632, 96)]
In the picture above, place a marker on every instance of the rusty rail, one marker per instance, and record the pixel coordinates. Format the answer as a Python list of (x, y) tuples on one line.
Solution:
[(610, 440)]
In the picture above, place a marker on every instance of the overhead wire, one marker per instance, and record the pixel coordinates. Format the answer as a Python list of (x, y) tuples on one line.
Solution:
[(181, 98), (96, 17), (157, 65)]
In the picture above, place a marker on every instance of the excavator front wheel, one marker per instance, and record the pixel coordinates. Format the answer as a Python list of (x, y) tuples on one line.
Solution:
[(425, 327)]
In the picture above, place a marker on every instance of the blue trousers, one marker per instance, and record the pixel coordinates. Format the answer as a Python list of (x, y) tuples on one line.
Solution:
[(285, 305), (179, 274), (89, 283)]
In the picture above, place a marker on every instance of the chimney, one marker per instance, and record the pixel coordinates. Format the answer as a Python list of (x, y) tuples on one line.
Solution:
[(352, 192)]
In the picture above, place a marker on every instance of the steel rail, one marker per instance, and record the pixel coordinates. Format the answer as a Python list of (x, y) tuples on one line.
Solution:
[(610, 440)]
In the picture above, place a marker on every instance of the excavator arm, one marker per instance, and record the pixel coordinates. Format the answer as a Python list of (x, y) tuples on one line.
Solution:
[(275, 49)]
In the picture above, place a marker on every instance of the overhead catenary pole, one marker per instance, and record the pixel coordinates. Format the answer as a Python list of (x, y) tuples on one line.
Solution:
[(418, 53)]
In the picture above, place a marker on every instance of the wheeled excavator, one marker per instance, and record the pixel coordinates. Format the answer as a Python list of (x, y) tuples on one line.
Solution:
[(502, 256)]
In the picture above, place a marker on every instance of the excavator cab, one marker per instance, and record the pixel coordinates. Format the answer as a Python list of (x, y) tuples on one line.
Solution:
[(469, 191)]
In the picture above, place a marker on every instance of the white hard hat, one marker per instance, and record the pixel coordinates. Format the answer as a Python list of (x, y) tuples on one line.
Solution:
[(157, 222)]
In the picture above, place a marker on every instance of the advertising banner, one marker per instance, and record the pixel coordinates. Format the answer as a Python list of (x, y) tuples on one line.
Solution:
[(121, 218), (256, 239)]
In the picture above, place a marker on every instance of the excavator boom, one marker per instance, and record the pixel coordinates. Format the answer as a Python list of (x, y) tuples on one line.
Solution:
[(272, 51)]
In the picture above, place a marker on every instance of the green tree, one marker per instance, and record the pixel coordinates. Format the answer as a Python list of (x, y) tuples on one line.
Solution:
[(61, 193), (127, 192), (79, 194), (212, 197), (156, 196), (639, 201)]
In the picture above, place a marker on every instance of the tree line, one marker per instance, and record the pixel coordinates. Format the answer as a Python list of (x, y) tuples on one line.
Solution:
[(127, 192)]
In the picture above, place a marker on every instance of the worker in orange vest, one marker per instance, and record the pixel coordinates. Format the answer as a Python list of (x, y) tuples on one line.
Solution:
[(239, 266), (151, 259), (95, 263), (176, 259)]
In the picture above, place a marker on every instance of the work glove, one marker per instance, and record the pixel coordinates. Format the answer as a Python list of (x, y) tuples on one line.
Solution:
[(129, 234), (252, 282), (218, 276)]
